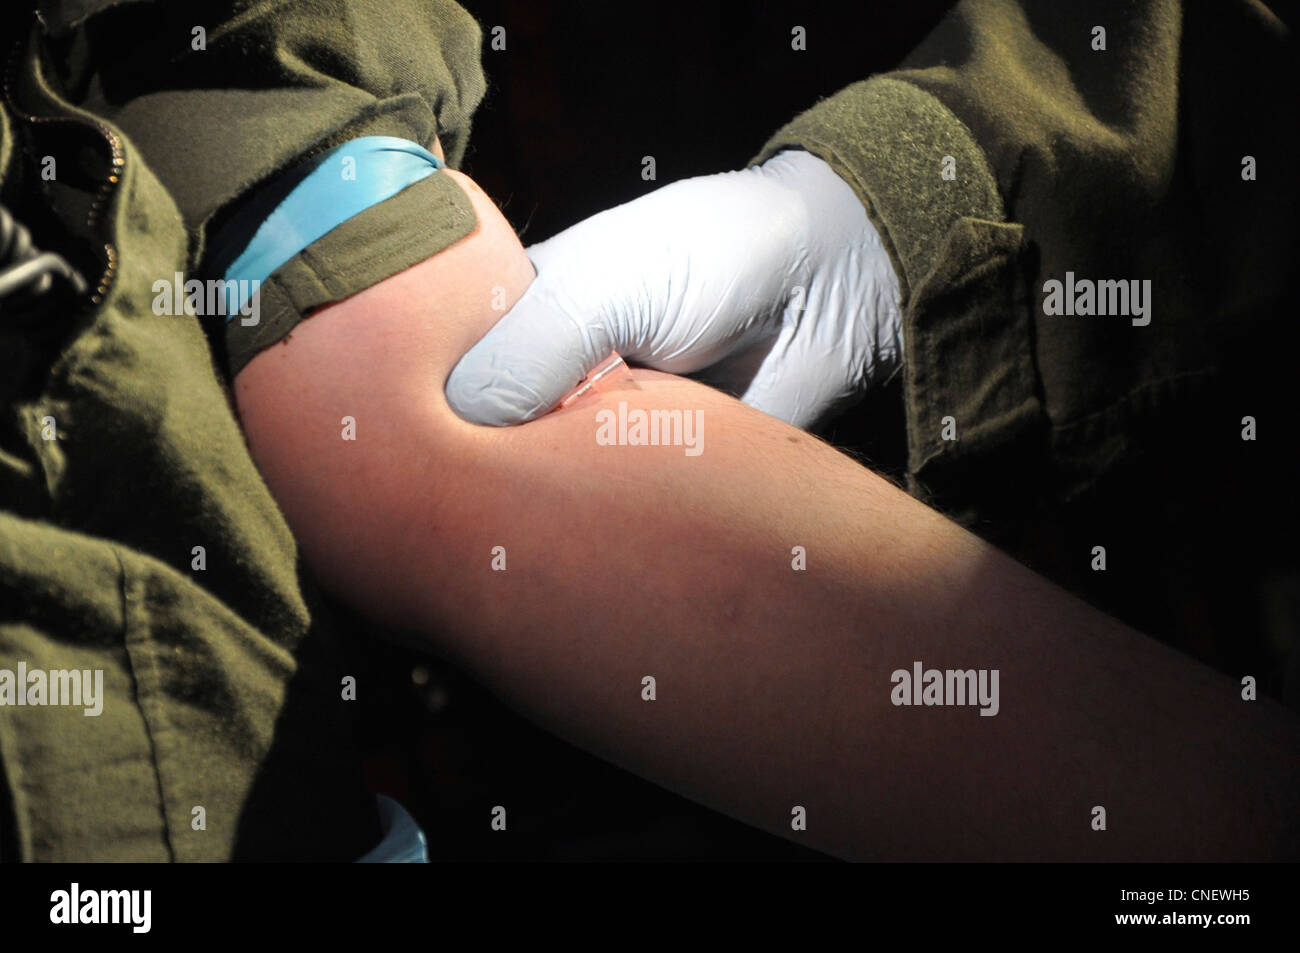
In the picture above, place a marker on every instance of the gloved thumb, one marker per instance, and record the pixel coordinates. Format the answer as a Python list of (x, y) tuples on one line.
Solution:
[(528, 361)]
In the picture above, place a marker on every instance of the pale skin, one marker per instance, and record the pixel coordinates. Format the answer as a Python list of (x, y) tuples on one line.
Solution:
[(773, 685)]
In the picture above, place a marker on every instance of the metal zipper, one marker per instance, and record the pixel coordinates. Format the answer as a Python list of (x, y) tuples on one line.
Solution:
[(106, 187)]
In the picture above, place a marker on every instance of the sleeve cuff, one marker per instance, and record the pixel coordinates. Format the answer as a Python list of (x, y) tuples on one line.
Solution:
[(968, 358), (889, 140)]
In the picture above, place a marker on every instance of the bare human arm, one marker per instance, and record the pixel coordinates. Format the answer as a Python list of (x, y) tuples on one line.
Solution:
[(773, 685)]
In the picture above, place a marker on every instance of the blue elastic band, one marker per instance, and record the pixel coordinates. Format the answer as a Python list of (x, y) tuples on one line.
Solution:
[(403, 842), (328, 196)]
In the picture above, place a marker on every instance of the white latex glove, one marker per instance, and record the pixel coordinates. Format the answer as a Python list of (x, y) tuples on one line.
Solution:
[(772, 278)]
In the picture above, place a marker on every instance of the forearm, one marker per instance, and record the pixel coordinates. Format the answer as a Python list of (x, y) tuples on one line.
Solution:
[(773, 685)]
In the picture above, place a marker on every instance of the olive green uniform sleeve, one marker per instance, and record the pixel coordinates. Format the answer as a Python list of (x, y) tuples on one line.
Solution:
[(137, 538), (948, 239), (1023, 140), (221, 97), (1028, 141)]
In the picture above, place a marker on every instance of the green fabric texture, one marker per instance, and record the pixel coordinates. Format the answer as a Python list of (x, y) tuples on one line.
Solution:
[(894, 165), (1041, 126), (275, 83), (269, 85), (1116, 163), (136, 535)]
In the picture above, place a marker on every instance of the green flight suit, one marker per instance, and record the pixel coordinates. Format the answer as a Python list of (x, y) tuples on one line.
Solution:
[(140, 539)]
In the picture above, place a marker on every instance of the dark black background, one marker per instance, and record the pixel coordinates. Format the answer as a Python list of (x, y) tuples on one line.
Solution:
[(584, 90)]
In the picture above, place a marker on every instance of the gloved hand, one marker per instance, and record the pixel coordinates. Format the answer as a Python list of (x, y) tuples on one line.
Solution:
[(772, 278)]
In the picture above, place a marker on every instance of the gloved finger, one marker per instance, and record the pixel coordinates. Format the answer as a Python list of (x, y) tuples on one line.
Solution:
[(802, 380), (735, 373), (527, 362)]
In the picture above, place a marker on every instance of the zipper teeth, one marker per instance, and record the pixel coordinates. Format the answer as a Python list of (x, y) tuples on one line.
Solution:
[(106, 279), (106, 187)]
